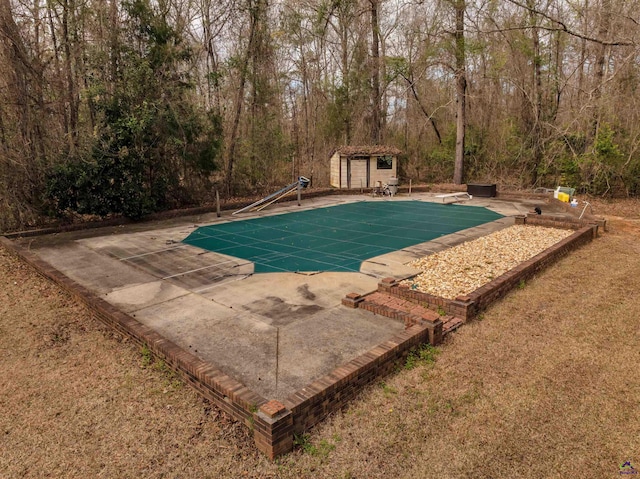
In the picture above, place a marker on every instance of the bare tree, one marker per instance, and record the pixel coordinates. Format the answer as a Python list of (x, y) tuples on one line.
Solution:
[(376, 97), (461, 92)]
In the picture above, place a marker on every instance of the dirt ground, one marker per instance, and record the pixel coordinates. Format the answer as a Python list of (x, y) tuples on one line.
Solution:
[(544, 384)]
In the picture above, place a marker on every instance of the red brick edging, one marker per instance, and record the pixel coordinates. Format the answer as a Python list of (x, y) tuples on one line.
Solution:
[(468, 306), (273, 423)]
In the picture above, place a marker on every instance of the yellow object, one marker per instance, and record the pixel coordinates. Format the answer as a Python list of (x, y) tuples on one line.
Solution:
[(563, 197)]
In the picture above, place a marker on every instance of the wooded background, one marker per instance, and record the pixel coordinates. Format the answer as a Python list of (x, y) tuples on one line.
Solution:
[(136, 106)]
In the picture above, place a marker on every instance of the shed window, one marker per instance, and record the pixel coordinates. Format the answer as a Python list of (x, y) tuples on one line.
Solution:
[(385, 162)]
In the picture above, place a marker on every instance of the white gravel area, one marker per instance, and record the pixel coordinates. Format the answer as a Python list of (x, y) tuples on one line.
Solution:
[(468, 266)]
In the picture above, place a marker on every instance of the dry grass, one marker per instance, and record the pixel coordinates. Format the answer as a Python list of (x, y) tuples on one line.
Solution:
[(628, 208), (545, 385)]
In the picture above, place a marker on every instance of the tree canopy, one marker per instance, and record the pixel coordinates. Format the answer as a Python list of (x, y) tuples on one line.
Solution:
[(129, 107)]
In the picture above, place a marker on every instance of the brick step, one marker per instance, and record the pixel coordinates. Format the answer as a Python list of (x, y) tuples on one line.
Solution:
[(450, 324), (402, 304), (405, 310)]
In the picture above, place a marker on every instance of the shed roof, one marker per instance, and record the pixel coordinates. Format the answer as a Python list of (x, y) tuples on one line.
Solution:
[(367, 150)]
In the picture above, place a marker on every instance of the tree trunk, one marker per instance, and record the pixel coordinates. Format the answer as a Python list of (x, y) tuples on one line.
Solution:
[(424, 111), (375, 74), (461, 93), (72, 103), (17, 72), (601, 56), (346, 79), (58, 70), (239, 102), (536, 96), (233, 137), (114, 46), (583, 58)]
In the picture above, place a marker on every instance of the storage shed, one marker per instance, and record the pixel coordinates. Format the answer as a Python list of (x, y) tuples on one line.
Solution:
[(363, 166)]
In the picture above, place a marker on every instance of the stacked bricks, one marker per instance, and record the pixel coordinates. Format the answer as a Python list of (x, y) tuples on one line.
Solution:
[(273, 429), (352, 300), (406, 311), (461, 307), (409, 313), (398, 308)]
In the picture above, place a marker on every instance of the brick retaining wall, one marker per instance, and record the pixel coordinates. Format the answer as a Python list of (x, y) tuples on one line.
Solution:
[(468, 306), (333, 391), (273, 423)]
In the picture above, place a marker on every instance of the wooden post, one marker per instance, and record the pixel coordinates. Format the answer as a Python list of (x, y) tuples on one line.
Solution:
[(217, 203), (409, 186)]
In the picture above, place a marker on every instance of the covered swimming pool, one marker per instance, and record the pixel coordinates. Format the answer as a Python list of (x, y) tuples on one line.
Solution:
[(336, 238)]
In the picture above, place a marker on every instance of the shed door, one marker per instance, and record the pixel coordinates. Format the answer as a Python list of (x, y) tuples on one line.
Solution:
[(358, 172)]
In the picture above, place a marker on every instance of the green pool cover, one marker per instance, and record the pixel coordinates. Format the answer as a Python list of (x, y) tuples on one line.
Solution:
[(336, 238)]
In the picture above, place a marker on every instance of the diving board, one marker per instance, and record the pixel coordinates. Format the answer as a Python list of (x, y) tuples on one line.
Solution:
[(455, 197)]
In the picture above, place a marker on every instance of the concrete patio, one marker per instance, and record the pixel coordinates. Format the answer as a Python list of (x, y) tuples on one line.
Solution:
[(273, 332)]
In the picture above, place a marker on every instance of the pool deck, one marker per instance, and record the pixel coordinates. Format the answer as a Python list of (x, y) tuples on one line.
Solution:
[(273, 332)]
